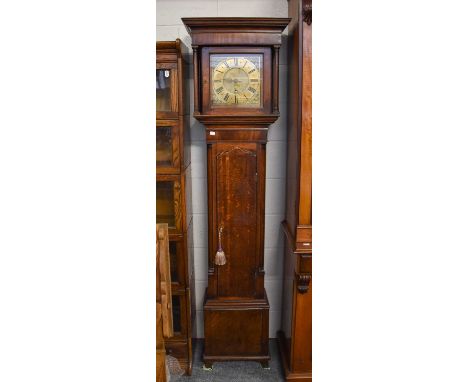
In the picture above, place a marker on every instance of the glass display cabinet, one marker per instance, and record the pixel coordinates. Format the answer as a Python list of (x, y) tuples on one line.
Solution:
[(167, 78), (173, 199), (168, 202), (167, 147), (163, 90)]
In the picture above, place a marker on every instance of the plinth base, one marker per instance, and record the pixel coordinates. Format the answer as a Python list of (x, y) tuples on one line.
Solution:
[(284, 350), (236, 330)]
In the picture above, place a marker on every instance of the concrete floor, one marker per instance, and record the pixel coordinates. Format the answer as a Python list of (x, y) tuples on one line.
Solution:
[(234, 371)]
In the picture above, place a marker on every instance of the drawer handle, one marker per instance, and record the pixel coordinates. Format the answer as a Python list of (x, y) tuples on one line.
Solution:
[(220, 257)]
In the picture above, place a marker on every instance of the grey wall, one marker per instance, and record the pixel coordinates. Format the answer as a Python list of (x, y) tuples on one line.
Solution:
[(170, 27)]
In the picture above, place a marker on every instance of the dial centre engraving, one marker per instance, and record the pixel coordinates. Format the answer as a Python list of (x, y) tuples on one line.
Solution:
[(235, 80)]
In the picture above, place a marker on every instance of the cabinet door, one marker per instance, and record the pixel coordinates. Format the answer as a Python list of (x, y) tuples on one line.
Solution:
[(169, 202), (179, 314), (167, 147), (166, 90), (236, 207), (176, 253)]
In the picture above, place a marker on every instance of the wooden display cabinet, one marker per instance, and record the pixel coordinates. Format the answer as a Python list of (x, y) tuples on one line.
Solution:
[(295, 336), (173, 198), (167, 146), (236, 63)]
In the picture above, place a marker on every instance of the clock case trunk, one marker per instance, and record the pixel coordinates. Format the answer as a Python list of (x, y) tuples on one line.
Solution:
[(236, 308)]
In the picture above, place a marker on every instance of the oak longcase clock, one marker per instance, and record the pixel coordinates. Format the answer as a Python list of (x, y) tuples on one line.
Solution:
[(235, 64)]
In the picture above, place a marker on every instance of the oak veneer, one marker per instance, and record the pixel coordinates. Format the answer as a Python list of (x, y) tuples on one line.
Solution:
[(236, 308)]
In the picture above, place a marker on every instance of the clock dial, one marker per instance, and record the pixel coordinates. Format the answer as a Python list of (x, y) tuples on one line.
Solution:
[(236, 80)]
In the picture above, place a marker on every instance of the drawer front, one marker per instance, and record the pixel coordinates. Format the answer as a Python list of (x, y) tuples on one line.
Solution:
[(169, 206), (167, 147)]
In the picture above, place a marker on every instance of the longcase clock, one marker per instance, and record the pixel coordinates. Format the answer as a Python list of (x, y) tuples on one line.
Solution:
[(235, 63)]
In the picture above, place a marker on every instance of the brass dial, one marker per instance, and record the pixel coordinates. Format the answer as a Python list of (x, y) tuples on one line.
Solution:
[(236, 81)]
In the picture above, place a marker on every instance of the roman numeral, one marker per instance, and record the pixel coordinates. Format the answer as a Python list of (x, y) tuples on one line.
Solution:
[(235, 99), (219, 71), (254, 80), (217, 80), (219, 90), (226, 97), (253, 70), (236, 62), (252, 89)]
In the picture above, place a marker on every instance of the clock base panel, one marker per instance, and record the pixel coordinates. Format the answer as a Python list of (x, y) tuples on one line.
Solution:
[(236, 330)]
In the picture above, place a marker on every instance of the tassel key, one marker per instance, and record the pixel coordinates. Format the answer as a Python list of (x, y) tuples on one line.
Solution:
[(220, 257)]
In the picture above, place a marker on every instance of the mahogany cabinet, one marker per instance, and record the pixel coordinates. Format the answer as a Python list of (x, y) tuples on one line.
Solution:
[(173, 198), (236, 63), (295, 336)]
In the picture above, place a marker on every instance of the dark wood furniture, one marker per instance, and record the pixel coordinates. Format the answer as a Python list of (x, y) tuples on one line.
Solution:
[(173, 198), (295, 336), (235, 63)]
